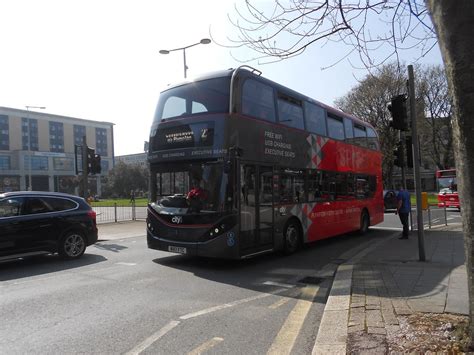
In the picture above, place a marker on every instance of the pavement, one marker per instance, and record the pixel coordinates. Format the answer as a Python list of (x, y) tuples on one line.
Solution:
[(378, 284), (388, 280)]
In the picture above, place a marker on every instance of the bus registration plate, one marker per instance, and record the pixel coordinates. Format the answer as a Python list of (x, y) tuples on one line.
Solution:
[(180, 250)]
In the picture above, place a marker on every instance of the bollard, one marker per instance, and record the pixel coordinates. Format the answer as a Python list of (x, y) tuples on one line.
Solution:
[(445, 215), (134, 217), (429, 217), (115, 211)]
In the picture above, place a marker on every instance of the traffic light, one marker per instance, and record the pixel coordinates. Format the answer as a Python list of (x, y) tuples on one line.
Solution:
[(398, 109), (95, 165), (89, 159), (399, 158), (93, 162)]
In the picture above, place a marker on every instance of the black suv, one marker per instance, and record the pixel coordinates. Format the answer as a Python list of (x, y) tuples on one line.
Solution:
[(34, 223)]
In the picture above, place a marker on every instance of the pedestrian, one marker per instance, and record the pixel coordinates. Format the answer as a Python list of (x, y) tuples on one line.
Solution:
[(403, 209), (132, 196)]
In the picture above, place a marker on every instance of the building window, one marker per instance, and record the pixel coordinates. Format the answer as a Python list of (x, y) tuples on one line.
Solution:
[(4, 133), (79, 133), (105, 166), (101, 141), (56, 137), (37, 163), (5, 162), (29, 134), (61, 163)]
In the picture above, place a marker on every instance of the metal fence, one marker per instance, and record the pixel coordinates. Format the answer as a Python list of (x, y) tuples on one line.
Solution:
[(118, 213), (432, 216)]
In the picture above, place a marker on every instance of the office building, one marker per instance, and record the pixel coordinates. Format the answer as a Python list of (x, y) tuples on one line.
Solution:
[(43, 146)]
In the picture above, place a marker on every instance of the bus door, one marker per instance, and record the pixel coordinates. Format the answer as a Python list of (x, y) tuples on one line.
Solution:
[(256, 208)]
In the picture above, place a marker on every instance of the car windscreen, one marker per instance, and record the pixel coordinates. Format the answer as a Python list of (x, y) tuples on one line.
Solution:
[(206, 96)]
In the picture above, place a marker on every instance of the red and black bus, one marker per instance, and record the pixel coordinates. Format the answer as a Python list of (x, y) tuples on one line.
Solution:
[(447, 188), (278, 168)]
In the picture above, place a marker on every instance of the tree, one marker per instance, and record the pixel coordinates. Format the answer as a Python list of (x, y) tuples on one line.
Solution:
[(436, 130), (123, 178), (368, 101), (308, 22)]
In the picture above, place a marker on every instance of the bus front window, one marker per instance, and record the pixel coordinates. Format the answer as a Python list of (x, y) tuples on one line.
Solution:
[(199, 188), (207, 96)]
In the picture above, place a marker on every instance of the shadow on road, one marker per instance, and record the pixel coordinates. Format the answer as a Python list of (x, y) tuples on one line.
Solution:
[(272, 268), (391, 259), (44, 264)]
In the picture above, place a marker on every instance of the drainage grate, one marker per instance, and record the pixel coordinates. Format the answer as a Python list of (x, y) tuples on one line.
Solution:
[(311, 280)]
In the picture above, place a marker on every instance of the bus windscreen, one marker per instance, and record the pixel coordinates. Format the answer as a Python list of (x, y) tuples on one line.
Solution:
[(207, 96)]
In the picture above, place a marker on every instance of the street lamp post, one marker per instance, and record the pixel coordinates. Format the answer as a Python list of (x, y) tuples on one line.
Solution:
[(30, 182), (167, 51)]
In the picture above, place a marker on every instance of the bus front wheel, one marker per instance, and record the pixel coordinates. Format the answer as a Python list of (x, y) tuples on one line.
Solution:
[(364, 222), (292, 238)]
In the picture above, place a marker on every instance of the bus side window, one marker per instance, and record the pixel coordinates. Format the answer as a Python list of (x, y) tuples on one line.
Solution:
[(258, 100)]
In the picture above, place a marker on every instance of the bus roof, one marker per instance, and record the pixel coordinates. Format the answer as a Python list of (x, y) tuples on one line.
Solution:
[(229, 72)]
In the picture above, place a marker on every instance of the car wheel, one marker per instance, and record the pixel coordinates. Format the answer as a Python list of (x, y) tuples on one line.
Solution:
[(364, 222), (72, 245), (292, 238)]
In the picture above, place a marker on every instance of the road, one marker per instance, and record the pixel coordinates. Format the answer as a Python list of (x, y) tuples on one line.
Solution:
[(124, 298)]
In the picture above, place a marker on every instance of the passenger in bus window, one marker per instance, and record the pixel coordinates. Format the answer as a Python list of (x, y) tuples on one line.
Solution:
[(196, 197)]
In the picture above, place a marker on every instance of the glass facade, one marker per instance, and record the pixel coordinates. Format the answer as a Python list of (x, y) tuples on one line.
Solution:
[(29, 134), (37, 163), (56, 137), (5, 162), (101, 141), (4, 133), (63, 164), (79, 133)]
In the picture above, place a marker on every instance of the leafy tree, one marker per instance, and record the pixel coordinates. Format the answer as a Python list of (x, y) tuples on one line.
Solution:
[(126, 177), (436, 132), (408, 25), (369, 100)]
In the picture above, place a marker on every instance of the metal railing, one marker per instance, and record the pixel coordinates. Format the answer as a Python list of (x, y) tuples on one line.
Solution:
[(433, 216), (118, 213)]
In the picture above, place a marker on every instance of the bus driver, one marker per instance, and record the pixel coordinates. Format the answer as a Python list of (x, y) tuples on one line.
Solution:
[(196, 196)]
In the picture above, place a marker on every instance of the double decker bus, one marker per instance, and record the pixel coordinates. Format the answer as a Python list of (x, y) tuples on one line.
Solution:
[(447, 188), (279, 169)]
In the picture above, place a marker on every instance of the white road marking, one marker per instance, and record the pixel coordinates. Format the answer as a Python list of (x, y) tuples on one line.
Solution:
[(279, 284), (206, 346), (228, 305), (153, 338), (279, 303), (126, 264)]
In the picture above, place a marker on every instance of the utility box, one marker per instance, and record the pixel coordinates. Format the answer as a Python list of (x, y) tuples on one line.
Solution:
[(424, 200)]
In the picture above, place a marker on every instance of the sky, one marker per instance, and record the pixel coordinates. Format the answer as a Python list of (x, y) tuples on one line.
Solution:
[(100, 60)]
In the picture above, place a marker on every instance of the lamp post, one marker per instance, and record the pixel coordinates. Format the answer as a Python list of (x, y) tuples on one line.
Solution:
[(30, 182), (167, 51)]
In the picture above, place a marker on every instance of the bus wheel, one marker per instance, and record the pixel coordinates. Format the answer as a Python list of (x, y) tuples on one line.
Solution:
[(292, 238), (364, 222)]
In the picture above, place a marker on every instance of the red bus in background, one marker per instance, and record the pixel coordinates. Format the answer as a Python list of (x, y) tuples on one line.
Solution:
[(447, 188), (279, 168)]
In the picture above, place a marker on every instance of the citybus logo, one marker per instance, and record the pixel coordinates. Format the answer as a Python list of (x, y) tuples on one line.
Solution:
[(177, 219)]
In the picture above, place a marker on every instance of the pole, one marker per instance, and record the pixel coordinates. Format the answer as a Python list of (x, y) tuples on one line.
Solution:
[(416, 163), (184, 62), (30, 185), (404, 163), (84, 167)]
